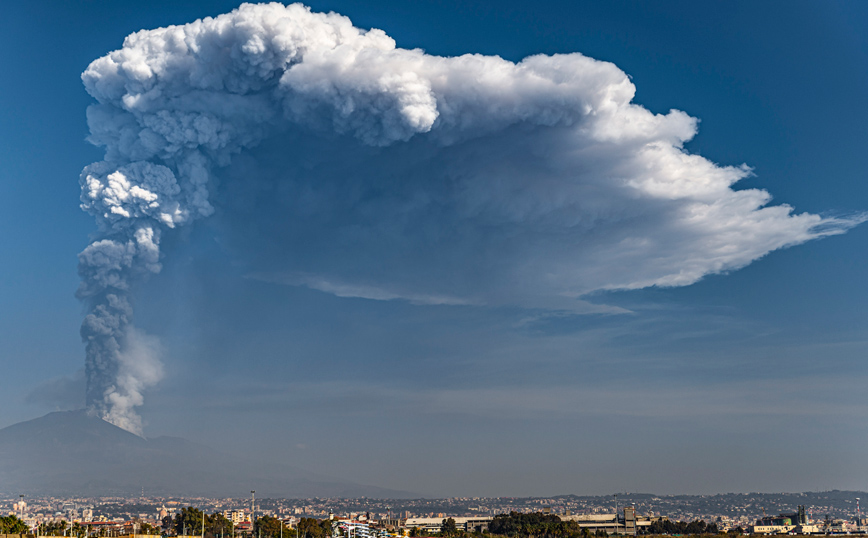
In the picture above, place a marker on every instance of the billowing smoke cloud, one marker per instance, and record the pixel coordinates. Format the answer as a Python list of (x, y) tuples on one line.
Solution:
[(466, 180)]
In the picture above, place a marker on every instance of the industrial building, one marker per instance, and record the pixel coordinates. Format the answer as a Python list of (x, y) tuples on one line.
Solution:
[(432, 524), (630, 523), (796, 523)]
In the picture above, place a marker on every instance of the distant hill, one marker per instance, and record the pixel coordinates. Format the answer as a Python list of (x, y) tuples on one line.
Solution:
[(72, 453)]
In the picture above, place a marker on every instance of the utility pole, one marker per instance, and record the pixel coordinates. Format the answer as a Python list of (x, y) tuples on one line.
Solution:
[(252, 511), (615, 495)]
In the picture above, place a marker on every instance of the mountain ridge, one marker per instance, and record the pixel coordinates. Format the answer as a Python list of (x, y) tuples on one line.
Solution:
[(73, 453)]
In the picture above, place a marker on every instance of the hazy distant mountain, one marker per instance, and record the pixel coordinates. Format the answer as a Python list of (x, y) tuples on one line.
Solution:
[(71, 453)]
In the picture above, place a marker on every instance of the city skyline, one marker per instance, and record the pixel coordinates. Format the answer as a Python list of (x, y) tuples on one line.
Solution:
[(726, 510)]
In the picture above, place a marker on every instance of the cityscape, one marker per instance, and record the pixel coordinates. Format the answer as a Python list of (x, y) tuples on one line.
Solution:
[(833, 512)]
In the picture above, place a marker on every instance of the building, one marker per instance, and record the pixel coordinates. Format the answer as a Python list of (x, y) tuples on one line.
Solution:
[(630, 524), (432, 524), (235, 516), (796, 522), (353, 529)]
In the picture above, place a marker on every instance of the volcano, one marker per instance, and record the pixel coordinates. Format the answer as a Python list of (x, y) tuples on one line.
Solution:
[(71, 453)]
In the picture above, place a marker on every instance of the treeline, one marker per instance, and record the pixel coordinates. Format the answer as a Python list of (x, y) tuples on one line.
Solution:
[(53, 528), (189, 521), (62, 528), (665, 526), (539, 525), (535, 525), (307, 527), (12, 525), (192, 521), (58, 528), (514, 525)]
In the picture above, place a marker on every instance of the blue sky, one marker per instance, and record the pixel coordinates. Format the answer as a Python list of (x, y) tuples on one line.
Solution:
[(727, 384)]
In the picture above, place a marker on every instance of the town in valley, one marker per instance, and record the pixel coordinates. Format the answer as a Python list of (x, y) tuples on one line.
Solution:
[(832, 512)]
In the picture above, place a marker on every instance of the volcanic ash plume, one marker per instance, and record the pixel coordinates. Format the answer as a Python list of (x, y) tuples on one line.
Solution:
[(130, 202), (552, 183)]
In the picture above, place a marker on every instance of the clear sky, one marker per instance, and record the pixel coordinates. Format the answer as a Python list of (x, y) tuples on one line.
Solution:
[(341, 308)]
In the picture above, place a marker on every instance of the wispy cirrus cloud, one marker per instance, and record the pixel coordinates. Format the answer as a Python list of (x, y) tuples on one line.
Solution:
[(356, 291)]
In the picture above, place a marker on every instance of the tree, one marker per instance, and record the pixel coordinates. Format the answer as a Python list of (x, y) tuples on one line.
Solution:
[(268, 526), (12, 525), (309, 527), (448, 527), (665, 526), (188, 521), (327, 526), (536, 525), (217, 525), (54, 528)]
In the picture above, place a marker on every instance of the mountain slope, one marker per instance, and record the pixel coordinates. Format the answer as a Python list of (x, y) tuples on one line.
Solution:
[(72, 453)]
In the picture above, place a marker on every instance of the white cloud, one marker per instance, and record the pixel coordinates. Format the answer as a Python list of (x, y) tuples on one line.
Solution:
[(358, 291), (597, 192), (459, 180)]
